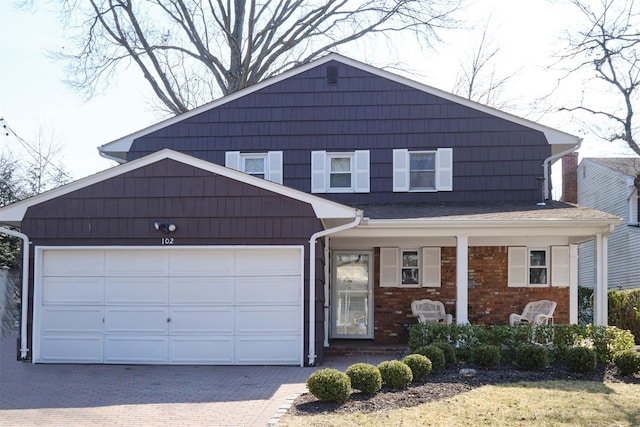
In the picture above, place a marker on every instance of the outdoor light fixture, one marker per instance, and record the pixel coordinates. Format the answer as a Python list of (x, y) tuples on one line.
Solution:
[(165, 227)]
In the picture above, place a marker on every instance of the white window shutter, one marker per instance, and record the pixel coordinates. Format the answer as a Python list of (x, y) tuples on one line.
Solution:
[(431, 267), (518, 267), (232, 160), (318, 171), (273, 166), (400, 170), (361, 160), (444, 169), (389, 268), (560, 269)]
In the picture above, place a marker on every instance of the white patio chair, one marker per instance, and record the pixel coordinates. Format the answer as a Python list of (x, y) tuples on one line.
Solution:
[(535, 313), (428, 311)]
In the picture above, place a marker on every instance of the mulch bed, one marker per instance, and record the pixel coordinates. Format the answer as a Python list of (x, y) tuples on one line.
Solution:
[(448, 383)]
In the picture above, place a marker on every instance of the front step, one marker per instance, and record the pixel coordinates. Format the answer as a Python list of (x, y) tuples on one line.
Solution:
[(351, 349)]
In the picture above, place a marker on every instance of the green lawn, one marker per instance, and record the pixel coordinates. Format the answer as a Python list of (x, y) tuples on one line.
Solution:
[(548, 403)]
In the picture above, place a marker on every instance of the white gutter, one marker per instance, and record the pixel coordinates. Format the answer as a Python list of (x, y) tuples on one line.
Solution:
[(25, 289), (551, 158), (312, 280), (110, 157)]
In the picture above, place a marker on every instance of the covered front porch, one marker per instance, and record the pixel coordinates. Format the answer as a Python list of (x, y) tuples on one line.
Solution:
[(481, 265)]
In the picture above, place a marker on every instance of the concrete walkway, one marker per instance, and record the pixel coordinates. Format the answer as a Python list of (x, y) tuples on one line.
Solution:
[(143, 395)]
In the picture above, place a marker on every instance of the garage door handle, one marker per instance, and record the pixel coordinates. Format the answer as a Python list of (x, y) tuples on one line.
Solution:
[(168, 319)]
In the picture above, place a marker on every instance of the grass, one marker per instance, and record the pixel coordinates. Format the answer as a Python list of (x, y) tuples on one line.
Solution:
[(546, 403)]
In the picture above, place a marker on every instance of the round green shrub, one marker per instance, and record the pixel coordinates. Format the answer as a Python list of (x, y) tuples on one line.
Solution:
[(329, 385), (627, 362), (449, 352), (365, 377), (531, 357), (395, 374), (486, 356), (420, 366), (434, 354), (581, 360)]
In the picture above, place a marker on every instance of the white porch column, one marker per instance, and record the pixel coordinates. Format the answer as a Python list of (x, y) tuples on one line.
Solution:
[(573, 284), (462, 279), (600, 297)]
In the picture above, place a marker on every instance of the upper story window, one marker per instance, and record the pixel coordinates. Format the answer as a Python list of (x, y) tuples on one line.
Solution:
[(539, 267), (344, 172), (423, 170), (262, 165), (634, 209)]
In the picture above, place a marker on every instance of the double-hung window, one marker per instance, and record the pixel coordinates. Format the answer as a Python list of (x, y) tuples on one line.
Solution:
[(400, 267), (423, 170), (340, 172), (262, 165), (410, 272), (539, 267)]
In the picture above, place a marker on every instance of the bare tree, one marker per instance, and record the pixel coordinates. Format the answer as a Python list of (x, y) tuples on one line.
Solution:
[(478, 78), (192, 51), (608, 43)]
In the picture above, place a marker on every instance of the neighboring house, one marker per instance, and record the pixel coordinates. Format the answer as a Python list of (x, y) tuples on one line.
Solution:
[(311, 207), (611, 185)]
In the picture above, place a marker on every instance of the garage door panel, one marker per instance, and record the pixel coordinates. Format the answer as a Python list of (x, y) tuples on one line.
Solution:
[(198, 262), (72, 290), (277, 290), (72, 348), (201, 320), (268, 262), (141, 262), (65, 319), (136, 349), (271, 349), (73, 263), (201, 290), (137, 290), (137, 320), (267, 320), (201, 350)]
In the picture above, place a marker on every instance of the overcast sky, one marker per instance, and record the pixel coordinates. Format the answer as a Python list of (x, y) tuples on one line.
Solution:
[(34, 99)]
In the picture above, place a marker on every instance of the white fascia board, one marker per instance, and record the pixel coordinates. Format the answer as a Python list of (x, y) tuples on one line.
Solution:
[(14, 213), (117, 148), (479, 228)]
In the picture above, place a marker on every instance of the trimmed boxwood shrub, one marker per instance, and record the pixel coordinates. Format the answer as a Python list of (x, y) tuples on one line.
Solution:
[(329, 385), (434, 354), (449, 352), (486, 356), (531, 357), (581, 360), (627, 362), (420, 366), (395, 374), (365, 377)]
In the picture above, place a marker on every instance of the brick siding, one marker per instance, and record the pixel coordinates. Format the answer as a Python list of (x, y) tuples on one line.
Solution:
[(490, 299)]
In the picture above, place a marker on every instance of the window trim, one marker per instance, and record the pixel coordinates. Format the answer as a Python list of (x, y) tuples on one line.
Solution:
[(429, 267), (435, 172), (402, 170), (321, 171), (519, 266), (253, 156), (272, 163), (402, 267), (546, 267)]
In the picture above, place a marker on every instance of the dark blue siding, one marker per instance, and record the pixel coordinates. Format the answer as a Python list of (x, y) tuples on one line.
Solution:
[(494, 159)]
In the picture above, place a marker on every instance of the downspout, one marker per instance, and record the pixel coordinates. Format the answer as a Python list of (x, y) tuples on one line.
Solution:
[(554, 157), (25, 289), (312, 280)]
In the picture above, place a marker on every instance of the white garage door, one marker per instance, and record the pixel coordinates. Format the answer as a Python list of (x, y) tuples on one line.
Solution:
[(220, 305)]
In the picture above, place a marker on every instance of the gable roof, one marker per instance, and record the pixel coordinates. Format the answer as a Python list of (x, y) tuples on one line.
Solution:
[(629, 166), (116, 150), (14, 213)]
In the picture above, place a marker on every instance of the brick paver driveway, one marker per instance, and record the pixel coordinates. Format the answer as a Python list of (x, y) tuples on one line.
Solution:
[(142, 395), (82, 395)]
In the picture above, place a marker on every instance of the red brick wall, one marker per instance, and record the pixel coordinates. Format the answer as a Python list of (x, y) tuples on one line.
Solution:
[(490, 300)]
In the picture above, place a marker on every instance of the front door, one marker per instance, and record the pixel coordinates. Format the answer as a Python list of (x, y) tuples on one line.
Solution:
[(351, 296)]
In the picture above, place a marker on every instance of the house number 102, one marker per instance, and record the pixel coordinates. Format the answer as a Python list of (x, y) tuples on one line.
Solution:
[(167, 240)]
